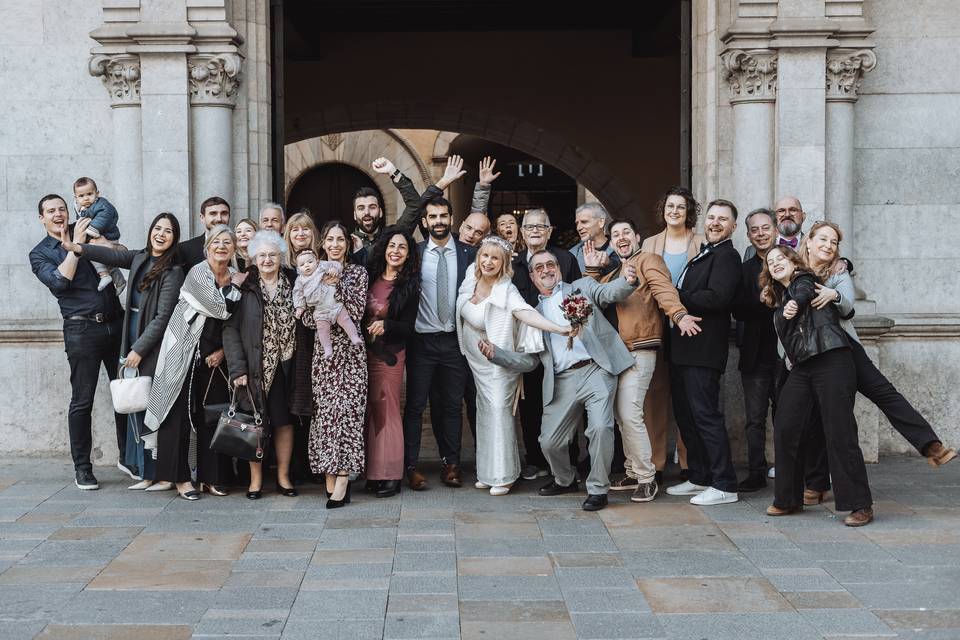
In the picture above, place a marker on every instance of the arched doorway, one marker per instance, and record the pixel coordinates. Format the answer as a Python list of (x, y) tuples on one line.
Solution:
[(327, 191)]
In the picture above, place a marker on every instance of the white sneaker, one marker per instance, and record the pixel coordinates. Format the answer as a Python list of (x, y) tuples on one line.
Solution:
[(160, 486), (713, 496), (686, 488), (142, 485), (772, 473), (480, 485), (499, 491)]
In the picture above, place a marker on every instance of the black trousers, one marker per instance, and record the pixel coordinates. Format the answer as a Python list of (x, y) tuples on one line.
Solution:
[(830, 378), (435, 370), (759, 395), (469, 401), (906, 420), (88, 345), (531, 417), (696, 407)]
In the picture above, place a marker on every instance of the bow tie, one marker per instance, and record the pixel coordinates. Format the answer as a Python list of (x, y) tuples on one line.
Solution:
[(789, 242), (704, 246)]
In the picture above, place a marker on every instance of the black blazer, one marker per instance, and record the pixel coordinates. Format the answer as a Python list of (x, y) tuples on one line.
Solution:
[(569, 272), (810, 332), (709, 289), (191, 252), (465, 257), (398, 326), (156, 303), (758, 338)]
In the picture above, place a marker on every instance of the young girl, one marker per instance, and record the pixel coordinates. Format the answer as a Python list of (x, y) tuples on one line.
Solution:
[(311, 291)]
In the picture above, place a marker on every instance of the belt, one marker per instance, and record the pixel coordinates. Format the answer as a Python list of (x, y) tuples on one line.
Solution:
[(581, 364), (99, 318)]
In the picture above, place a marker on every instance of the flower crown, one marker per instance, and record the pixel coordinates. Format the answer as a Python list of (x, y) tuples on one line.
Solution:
[(499, 242)]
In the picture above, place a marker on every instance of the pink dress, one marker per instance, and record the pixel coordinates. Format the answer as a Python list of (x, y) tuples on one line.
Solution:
[(384, 419)]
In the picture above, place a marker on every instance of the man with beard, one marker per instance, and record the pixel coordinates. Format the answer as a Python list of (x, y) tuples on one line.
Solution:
[(368, 208), (272, 218), (789, 220), (213, 211), (536, 231), (759, 361), (708, 288), (638, 319), (436, 369)]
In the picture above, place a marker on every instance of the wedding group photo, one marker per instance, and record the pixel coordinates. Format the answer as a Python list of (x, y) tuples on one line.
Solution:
[(626, 321)]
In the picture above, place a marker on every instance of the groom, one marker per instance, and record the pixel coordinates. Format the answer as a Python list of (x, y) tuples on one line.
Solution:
[(577, 378)]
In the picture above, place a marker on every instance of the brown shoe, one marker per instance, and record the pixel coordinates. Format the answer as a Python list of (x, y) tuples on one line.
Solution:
[(774, 510), (812, 498), (416, 480), (859, 518), (939, 455), (450, 475)]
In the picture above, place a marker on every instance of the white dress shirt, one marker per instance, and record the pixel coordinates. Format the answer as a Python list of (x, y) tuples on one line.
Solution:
[(563, 358), (427, 319)]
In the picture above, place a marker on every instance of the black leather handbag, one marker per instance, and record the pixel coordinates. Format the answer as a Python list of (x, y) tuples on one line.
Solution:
[(239, 435)]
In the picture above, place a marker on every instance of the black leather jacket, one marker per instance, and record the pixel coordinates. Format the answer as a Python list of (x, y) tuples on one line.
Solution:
[(812, 331)]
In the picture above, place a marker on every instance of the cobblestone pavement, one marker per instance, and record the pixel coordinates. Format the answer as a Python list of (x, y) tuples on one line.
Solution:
[(449, 563)]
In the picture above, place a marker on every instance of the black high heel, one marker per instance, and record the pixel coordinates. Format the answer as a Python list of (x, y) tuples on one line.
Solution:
[(336, 504), (290, 492)]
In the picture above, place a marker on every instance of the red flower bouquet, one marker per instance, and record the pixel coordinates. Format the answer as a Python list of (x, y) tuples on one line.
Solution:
[(576, 310)]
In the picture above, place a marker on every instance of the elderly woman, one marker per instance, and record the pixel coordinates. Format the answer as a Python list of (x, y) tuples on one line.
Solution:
[(259, 343), (189, 355), (244, 231), (821, 252), (155, 280), (393, 266), (822, 375), (488, 310), (339, 382)]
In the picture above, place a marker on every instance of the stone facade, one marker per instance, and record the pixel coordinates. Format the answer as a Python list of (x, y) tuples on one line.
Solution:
[(846, 104)]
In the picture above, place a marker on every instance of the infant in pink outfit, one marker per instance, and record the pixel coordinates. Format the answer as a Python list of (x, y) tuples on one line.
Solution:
[(311, 291)]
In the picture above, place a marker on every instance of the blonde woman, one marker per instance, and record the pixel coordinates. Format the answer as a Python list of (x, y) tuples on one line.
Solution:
[(301, 233), (488, 310), (244, 230)]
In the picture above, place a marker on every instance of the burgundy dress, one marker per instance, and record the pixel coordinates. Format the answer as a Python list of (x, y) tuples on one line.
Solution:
[(384, 419)]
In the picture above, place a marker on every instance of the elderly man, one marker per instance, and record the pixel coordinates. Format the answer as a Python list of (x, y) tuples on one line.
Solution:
[(536, 230), (213, 211), (92, 328), (789, 219), (759, 361), (591, 221), (708, 287), (639, 322), (576, 378), (272, 217)]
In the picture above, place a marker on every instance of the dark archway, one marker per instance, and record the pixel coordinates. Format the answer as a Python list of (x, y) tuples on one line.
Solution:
[(327, 191)]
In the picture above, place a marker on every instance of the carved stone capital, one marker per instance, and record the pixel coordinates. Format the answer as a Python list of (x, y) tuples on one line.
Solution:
[(845, 69), (120, 75), (214, 79), (752, 75)]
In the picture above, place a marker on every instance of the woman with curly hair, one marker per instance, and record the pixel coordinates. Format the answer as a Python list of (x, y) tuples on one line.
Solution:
[(393, 268)]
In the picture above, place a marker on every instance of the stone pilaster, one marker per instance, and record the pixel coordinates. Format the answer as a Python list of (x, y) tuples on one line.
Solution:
[(214, 85), (752, 78)]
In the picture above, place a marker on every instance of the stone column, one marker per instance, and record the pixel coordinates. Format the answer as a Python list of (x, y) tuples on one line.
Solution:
[(214, 84), (845, 69), (121, 77), (752, 76)]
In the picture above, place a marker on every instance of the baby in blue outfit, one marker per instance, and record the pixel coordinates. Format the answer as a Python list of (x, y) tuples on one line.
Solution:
[(103, 228)]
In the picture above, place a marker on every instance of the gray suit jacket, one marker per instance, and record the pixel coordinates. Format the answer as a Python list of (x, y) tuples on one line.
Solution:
[(601, 340)]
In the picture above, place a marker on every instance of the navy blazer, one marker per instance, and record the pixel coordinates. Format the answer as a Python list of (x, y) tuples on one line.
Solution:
[(465, 257)]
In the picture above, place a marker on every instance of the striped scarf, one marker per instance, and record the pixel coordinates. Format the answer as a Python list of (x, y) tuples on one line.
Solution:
[(200, 298)]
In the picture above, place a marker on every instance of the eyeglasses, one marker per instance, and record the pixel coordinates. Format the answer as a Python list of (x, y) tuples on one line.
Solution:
[(535, 227), (543, 266), (790, 210)]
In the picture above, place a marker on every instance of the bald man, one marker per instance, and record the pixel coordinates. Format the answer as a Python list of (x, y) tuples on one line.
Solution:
[(474, 228)]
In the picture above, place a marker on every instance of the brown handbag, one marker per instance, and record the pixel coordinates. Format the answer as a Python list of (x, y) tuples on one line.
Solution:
[(239, 435)]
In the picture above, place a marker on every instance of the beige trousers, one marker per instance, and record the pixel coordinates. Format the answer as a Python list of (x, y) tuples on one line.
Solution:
[(631, 392)]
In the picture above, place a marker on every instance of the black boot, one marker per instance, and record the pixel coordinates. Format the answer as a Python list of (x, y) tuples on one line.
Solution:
[(388, 488)]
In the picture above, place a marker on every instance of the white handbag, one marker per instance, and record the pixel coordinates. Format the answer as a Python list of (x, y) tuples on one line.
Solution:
[(130, 395)]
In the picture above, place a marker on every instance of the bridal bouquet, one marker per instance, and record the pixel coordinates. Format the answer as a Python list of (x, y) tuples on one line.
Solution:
[(576, 310)]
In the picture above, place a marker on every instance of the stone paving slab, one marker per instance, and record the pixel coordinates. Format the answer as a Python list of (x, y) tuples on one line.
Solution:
[(449, 563)]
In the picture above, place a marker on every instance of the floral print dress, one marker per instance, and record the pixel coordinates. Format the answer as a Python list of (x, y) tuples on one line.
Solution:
[(340, 387)]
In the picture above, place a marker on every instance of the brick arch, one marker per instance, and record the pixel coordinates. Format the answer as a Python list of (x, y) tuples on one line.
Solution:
[(356, 149), (549, 146)]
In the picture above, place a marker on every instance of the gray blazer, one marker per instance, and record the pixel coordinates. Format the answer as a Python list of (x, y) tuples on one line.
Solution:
[(156, 303), (601, 340)]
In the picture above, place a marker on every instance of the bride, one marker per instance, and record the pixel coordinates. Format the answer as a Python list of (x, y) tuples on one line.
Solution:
[(488, 308)]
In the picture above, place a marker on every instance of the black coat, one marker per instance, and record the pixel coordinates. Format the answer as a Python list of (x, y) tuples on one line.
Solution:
[(709, 289), (569, 272), (156, 302), (811, 331), (758, 338), (243, 339), (191, 252), (398, 326)]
